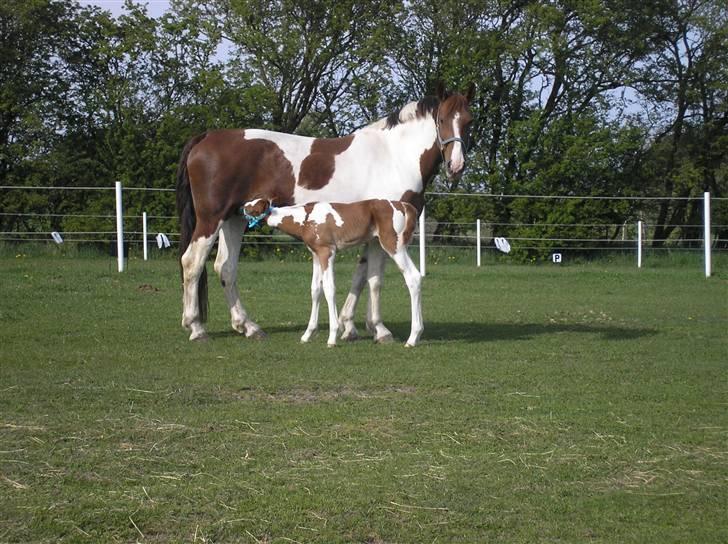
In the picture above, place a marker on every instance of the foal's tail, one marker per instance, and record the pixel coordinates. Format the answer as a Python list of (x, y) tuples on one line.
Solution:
[(187, 221)]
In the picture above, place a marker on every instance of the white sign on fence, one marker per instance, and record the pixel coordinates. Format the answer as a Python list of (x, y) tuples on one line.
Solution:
[(162, 241), (502, 245)]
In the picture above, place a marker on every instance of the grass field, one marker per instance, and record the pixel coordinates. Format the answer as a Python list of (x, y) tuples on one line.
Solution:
[(545, 404)]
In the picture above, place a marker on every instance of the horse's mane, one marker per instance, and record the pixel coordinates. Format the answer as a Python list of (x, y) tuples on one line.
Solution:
[(414, 110)]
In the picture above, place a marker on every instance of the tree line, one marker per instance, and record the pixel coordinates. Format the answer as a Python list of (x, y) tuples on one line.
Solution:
[(574, 97)]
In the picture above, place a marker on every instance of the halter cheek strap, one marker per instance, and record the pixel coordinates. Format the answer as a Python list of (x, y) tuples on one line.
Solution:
[(442, 143)]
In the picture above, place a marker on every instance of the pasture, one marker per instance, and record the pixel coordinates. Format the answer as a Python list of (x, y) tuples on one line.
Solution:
[(545, 404)]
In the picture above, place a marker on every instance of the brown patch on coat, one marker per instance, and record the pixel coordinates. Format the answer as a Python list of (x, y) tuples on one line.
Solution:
[(430, 161), (318, 167), (226, 169), (410, 219), (382, 212), (416, 199)]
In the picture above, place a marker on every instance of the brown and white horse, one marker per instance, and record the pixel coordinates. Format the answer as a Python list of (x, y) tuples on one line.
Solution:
[(393, 158), (326, 227)]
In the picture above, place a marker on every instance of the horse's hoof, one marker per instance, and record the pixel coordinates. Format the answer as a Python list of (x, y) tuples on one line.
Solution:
[(386, 339), (257, 335), (330, 345), (408, 345), (350, 336), (200, 338)]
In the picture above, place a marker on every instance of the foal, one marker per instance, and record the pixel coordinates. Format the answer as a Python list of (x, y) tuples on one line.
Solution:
[(325, 227)]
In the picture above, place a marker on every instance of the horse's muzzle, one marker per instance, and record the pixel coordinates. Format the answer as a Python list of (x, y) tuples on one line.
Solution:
[(455, 173)]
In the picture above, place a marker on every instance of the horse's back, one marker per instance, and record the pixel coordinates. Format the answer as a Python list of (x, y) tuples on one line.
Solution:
[(228, 166)]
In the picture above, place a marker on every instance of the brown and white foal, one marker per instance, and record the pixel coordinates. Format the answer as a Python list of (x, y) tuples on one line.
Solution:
[(325, 227)]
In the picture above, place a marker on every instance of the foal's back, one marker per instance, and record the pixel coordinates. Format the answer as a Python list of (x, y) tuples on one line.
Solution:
[(342, 225)]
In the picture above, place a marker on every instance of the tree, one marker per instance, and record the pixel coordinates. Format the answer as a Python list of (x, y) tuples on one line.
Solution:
[(685, 82)]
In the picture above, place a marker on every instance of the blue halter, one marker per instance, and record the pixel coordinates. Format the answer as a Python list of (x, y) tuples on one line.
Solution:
[(255, 220)]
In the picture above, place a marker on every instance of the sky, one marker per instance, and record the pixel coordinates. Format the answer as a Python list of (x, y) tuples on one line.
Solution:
[(155, 8)]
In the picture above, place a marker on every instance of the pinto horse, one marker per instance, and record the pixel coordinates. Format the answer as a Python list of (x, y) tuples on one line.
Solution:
[(326, 227), (393, 158)]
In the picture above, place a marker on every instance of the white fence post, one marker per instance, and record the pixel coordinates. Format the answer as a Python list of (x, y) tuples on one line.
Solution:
[(706, 232), (422, 242), (144, 234), (639, 244), (477, 234), (119, 228)]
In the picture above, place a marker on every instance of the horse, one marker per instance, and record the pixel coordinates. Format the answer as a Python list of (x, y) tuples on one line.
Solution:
[(326, 227), (393, 158)]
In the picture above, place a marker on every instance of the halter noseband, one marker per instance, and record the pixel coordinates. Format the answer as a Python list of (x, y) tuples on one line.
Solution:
[(254, 220)]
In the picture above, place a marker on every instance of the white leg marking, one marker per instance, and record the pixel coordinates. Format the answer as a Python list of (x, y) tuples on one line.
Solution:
[(414, 283), (316, 291), (375, 276), (226, 265), (330, 293), (193, 262), (346, 318)]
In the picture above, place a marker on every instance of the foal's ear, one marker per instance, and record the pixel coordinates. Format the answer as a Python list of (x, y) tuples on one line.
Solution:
[(470, 93), (440, 91)]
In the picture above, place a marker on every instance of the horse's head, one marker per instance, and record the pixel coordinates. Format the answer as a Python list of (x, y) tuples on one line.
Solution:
[(256, 211), (452, 121)]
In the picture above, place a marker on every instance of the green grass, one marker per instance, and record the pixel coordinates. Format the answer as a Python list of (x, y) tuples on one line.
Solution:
[(545, 404)]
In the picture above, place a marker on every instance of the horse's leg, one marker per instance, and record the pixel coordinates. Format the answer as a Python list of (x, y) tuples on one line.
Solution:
[(346, 318), (327, 262), (316, 292), (193, 263), (375, 275), (226, 265), (413, 279)]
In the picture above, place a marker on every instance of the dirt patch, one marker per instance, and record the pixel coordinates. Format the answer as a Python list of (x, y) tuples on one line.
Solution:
[(301, 395)]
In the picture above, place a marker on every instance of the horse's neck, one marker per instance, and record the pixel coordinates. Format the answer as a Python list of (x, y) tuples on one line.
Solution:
[(416, 142)]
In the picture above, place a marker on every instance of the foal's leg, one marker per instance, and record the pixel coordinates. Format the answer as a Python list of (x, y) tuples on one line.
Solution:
[(193, 263), (327, 263), (413, 279), (316, 292), (346, 318), (226, 265), (375, 275)]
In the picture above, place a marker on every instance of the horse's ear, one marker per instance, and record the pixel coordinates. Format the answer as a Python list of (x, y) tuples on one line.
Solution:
[(440, 91), (470, 93)]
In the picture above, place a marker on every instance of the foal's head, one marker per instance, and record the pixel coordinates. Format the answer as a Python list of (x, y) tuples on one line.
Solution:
[(256, 211), (452, 120)]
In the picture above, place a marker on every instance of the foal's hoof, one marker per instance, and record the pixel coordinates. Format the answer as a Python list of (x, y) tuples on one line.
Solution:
[(386, 339), (201, 338)]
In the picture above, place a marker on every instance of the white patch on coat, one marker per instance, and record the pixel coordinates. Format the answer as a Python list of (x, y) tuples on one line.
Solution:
[(378, 164), (277, 215), (295, 148), (321, 211), (397, 219), (457, 158), (398, 224)]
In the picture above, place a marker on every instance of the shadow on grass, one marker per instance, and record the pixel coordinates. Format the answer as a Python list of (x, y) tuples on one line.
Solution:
[(475, 332), (491, 332)]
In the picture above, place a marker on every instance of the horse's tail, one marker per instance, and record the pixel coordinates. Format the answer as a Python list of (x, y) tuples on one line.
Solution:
[(187, 221)]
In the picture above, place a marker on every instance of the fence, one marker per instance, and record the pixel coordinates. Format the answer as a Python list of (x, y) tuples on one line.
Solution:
[(471, 236)]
